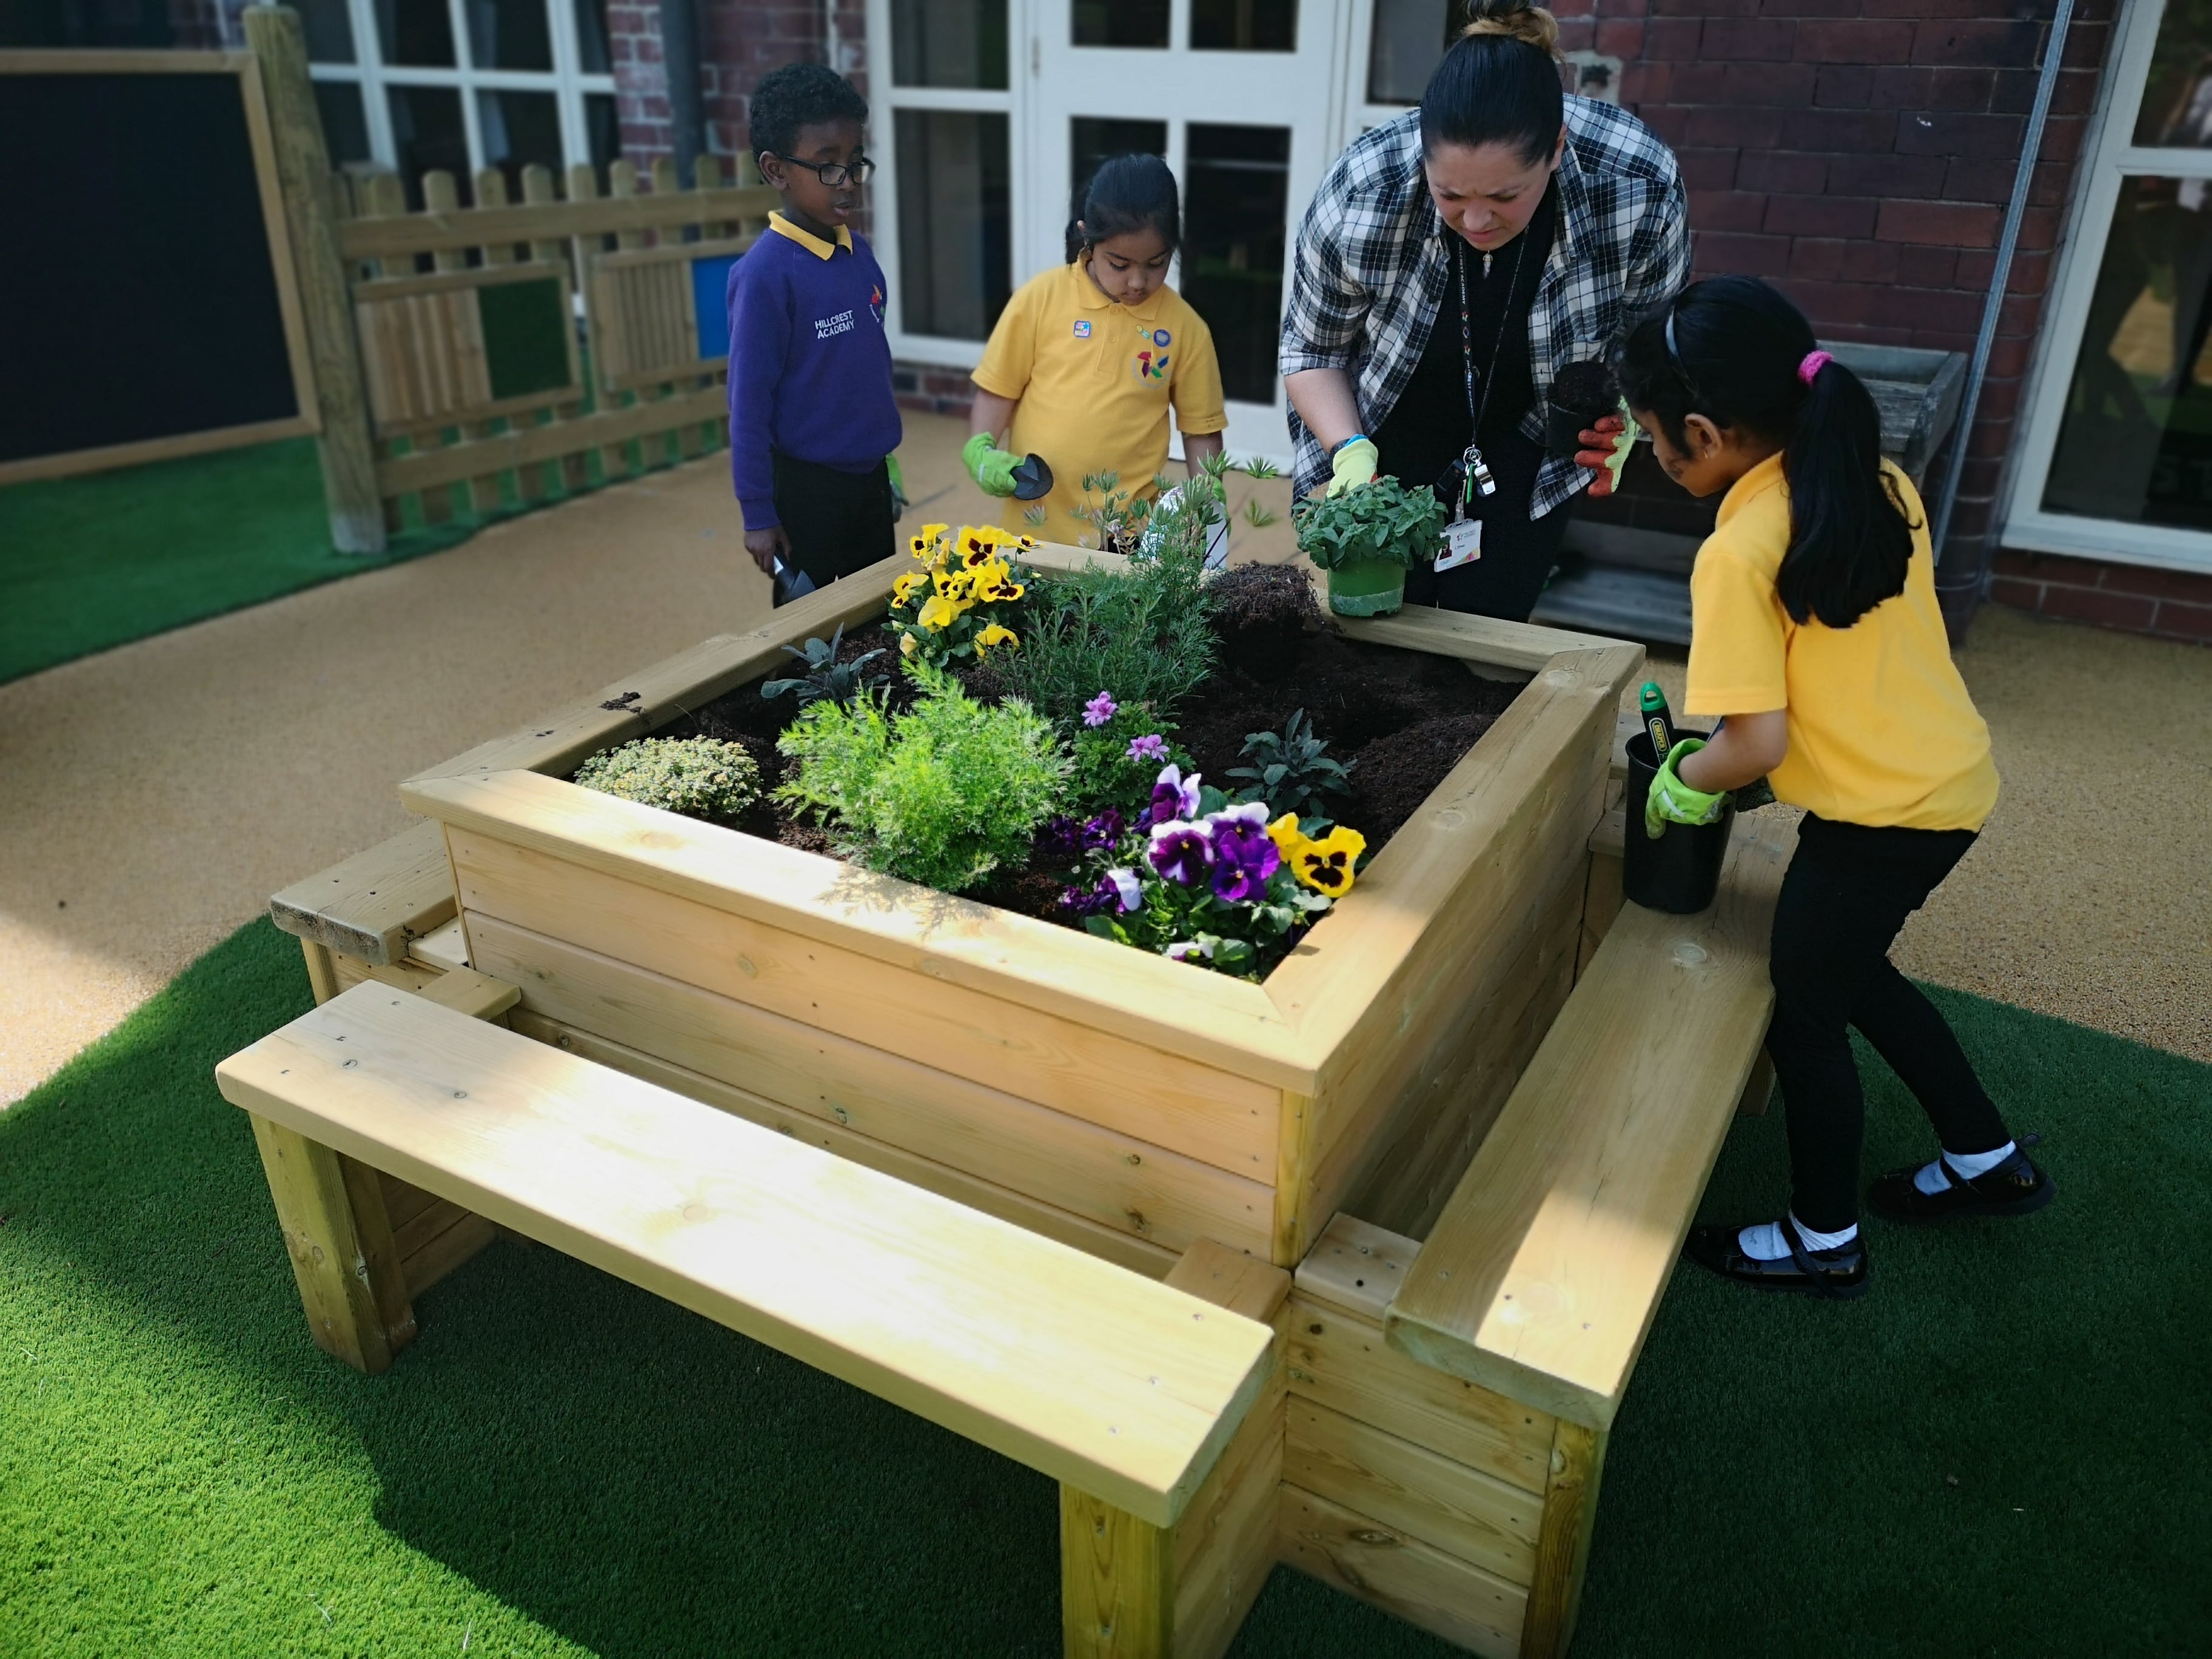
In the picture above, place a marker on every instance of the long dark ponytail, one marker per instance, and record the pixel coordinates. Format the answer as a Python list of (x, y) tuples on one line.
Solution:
[(1733, 350), (1129, 192)]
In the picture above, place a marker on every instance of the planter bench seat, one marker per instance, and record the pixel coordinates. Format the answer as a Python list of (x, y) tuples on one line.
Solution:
[(1127, 1391)]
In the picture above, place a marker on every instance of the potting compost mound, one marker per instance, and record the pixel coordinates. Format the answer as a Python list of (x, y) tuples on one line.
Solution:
[(1401, 719)]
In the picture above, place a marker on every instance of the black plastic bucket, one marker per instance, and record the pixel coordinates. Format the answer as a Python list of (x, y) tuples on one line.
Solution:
[(1680, 872)]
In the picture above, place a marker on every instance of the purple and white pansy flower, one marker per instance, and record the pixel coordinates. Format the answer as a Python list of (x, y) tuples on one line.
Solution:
[(1174, 796)]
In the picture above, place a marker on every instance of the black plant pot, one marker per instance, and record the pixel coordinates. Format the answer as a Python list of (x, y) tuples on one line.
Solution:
[(1679, 871)]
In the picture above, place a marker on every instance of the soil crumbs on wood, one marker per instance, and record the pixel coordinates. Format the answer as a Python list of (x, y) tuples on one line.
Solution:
[(1404, 718)]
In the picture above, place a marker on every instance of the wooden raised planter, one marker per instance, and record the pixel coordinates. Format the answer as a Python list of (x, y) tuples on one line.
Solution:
[(1100, 1095)]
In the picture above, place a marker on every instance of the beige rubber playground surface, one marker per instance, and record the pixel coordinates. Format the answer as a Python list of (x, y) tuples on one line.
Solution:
[(155, 795)]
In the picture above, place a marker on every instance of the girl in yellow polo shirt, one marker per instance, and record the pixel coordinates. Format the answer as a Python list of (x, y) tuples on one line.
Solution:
[(1086, 360), (1815, 632)]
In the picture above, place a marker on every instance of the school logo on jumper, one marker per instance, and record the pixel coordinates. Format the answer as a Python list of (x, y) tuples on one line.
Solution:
[(1160, 338), (1150, 368), (876, 301), (1083, 328), (825, 327)]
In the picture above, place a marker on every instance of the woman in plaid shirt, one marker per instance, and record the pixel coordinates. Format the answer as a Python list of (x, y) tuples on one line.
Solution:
[(1451, 263)]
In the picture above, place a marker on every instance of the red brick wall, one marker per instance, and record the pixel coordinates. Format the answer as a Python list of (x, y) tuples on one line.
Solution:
[(2173, 604), (739, 41)]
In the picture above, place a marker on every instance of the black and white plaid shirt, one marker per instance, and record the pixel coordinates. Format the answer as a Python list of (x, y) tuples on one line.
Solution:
[(1372, 266)]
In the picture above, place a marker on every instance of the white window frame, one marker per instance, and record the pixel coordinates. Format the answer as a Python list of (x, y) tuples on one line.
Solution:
[(885, 98), (2111, 156), (375, 78)]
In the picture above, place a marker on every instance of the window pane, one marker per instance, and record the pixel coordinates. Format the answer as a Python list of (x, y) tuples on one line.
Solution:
[(602, 131), (1092, 138), (510, 34), (426, 135), (1121, 22), (2135, 442), (955, 221), (1244, 24), (949, 43), (591, 55), (1236, 192), (519, 129), (329, 28), (345, 128), (418, 33), (2177, 106), (1406, 44)]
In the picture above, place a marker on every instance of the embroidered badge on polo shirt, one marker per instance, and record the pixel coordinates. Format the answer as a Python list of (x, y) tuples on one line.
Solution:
[(1160, 338), (1083, 328)]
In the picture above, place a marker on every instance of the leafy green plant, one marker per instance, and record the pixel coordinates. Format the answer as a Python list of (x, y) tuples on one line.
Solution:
[(1256, 515), (942, 794), (1145, 635), (699, 777), (1116, 517), (1292, 770), (1379, 521), (825, 677), (1116, 760)]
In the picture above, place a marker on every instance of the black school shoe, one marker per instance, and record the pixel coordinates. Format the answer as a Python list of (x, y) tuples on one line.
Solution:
[(2016, 1186), (1840, 1273)]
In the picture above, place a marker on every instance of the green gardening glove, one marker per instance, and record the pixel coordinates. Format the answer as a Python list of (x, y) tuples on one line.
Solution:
[(1673, 801), (990, 466), (898, 486), (1353, 465)]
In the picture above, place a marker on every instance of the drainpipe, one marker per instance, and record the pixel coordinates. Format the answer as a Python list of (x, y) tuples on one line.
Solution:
[(687, 108), (1960, 591)]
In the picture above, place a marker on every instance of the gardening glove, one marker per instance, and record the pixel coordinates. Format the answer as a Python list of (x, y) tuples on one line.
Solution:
[(1353, 465), (898, 486), (1673, 801), (990, 466), (1605, 452)]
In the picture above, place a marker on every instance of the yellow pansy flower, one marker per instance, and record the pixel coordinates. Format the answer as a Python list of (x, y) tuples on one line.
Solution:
[(939, 613), (956, 586), (907, 644), (1285, 833), (902, 589), (1326, 864), (995, 635)]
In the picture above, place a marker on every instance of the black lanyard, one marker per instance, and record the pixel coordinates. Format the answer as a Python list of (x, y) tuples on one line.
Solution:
[(1476, 473)]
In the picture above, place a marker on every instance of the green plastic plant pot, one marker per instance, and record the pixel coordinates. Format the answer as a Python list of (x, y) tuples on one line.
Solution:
[(1367, 587)]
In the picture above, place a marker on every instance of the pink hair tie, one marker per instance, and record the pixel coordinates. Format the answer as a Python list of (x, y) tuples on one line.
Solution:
[(1809, 370)]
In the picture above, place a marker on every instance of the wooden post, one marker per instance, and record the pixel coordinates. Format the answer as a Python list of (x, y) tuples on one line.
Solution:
[(339, 1237), (303, 174), (1116, 1582), (1563, 1541)]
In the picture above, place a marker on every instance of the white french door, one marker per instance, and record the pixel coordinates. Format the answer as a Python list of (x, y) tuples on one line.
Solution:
[(1244, 97)]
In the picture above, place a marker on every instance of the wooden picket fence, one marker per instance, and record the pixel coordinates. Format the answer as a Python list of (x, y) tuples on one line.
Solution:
[(643, 395)]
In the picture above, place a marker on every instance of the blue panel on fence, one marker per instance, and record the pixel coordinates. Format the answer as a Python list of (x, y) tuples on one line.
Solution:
[(710, 281)]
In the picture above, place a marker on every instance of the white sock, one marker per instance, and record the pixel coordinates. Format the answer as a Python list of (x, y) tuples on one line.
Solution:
[(1765, 1243), (1932, 1180)]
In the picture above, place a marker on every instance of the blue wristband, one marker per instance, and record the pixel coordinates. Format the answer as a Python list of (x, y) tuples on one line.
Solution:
[(1356, 438)]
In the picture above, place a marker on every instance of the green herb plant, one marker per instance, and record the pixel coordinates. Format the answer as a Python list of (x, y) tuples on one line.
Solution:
[(825, 677), (1116, 517), (1382, 521), (942, 794), (1145, 635), (1106, 773), (699, 777), (1292, 770)]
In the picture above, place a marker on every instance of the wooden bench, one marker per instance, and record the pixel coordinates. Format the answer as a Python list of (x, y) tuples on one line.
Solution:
[(1128, 1392)]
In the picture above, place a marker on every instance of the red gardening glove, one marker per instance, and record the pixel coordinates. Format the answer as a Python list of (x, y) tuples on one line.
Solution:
[(1597, 449)]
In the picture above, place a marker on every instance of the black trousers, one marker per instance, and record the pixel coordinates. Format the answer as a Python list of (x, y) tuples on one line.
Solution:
[(1518, 552), (1847, 892), (837, 522)]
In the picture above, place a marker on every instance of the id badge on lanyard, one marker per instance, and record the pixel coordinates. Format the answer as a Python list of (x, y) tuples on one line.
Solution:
[(1463, 535)]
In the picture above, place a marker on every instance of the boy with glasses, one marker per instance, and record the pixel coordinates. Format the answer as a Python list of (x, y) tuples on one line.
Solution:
[(812, 422)]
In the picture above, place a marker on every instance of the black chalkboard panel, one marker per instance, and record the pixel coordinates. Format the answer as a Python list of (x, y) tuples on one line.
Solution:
[(137, 296)]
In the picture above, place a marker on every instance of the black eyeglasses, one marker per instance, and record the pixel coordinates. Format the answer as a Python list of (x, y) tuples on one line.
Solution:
[(833, 173)]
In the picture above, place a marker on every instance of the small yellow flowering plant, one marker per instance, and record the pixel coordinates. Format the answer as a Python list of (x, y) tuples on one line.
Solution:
[(957, 600)]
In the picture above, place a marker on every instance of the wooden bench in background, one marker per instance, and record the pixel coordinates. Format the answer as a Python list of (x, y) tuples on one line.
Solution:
[(1431, 1439)]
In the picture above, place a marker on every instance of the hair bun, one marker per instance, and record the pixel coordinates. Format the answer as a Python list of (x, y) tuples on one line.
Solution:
[(1532, 26)]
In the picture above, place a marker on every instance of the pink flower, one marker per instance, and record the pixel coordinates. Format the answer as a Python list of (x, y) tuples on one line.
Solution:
[(1100, 709), (1150, 747)]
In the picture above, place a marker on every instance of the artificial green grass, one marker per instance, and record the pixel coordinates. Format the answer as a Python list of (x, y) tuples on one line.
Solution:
[(563, 1464), (98, 561)]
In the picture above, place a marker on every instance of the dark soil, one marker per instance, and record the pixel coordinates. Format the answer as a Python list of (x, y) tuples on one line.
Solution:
[(1401, 719)]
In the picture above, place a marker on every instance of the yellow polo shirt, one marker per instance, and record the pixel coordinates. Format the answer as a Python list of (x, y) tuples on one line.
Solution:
[(1882, 730), (1095, 380)]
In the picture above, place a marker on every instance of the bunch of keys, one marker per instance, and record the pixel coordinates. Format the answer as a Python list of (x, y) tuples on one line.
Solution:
[(1479, 480)]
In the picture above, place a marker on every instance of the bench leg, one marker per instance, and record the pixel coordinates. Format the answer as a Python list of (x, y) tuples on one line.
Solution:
[(1759, 1088), (337, 1233), (1117, 1587), (1563, 1541)]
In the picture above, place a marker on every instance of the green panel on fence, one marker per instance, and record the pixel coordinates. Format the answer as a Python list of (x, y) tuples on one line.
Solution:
[(526, 333)]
